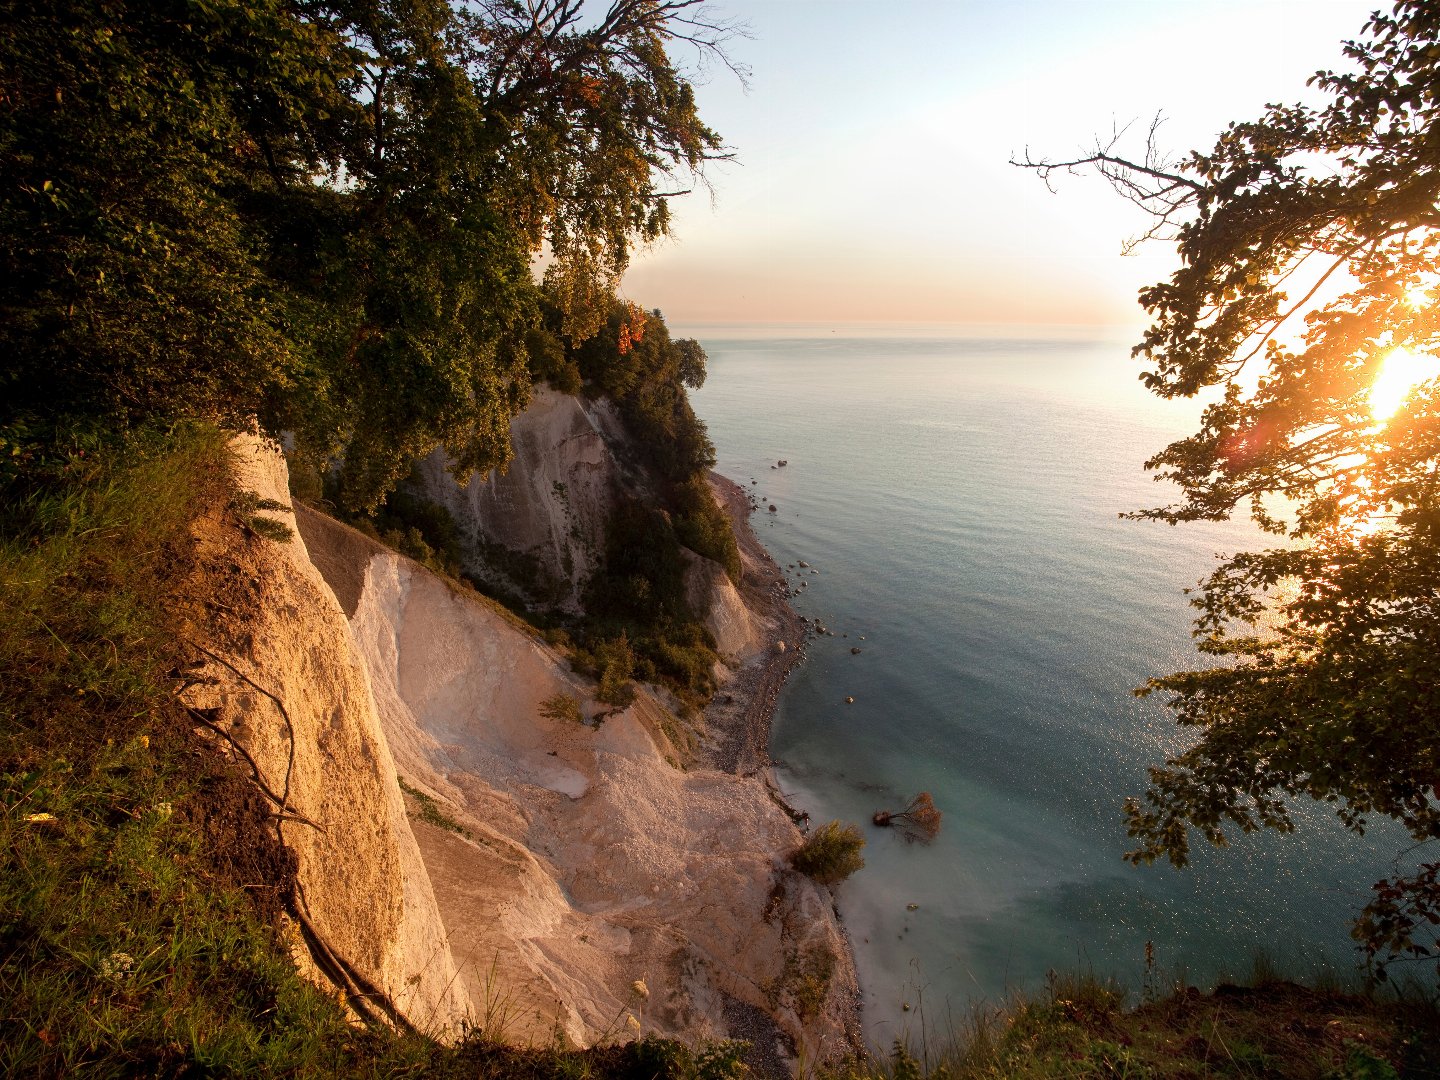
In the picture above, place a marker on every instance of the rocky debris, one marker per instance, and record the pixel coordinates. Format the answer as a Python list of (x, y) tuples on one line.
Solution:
[(849, 701), (854, 651), (779, 646), (772, 508)]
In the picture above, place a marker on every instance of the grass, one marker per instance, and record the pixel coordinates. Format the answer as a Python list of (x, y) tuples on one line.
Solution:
[(1082, 1027), (431, 813)]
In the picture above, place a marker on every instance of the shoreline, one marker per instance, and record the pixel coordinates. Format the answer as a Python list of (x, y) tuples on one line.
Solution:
[(743, 713)]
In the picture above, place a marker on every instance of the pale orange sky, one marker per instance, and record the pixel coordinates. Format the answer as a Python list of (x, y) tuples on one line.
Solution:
[(872, 180)]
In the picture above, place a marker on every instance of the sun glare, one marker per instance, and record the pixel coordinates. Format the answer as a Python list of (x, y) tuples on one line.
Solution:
[(1401, 373)]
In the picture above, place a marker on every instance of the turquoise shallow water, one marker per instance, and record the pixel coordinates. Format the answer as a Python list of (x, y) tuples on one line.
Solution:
[(959, 498)]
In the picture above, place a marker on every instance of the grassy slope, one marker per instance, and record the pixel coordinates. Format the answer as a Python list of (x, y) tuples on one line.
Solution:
[(1081, 1027)]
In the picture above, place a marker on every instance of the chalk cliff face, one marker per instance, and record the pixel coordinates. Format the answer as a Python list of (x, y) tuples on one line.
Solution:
[(288, 688), (540, 527), (576, 857), (544, 518), (536, 867)]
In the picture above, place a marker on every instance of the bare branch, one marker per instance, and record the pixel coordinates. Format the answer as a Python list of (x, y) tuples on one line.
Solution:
[(1152, 183)]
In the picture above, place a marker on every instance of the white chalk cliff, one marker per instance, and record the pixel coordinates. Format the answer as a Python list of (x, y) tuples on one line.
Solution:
[(537, 867), (550, 506)]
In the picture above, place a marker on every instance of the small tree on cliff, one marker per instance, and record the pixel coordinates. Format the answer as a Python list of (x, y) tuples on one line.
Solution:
[(1310, 257), (830, 854)]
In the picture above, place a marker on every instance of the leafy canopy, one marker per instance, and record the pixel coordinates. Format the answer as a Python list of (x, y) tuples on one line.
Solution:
[(324, 214), (1309, 242)]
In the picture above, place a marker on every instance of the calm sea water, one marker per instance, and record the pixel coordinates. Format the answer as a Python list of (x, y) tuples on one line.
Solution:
[(959, 499)]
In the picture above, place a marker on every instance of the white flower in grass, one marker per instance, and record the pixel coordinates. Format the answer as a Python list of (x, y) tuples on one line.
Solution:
[(118, 966)]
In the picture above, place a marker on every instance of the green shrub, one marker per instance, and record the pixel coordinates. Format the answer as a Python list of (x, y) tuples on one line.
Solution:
[(616, 664), (830, 854), (703, 527), (562, 707)]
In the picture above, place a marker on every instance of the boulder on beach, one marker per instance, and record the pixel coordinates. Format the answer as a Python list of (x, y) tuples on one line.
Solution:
[(849, 701), (772, 508)]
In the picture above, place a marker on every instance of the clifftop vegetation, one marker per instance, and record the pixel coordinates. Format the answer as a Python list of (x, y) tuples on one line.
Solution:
[(321, 218), (323, 215)]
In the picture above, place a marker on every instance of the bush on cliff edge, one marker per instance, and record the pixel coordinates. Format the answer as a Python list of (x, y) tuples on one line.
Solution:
[(830, 854)]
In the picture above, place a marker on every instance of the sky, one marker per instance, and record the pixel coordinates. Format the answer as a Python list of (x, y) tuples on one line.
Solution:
[(871, 180)]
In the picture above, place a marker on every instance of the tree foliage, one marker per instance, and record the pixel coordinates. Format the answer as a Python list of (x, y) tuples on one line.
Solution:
[(831, 853), (324, 215), (640, 587), (1309, 242), (636, 363)]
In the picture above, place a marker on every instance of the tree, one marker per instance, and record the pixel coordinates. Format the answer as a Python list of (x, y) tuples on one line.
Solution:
[(1309, 243), (132, 285), (324, 215), (478, 134), (830, 854)]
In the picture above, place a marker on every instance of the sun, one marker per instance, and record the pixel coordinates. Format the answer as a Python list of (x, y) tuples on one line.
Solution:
[(1401, 372)]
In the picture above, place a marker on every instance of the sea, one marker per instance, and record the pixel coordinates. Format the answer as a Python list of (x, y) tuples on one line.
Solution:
[(957, 495)]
